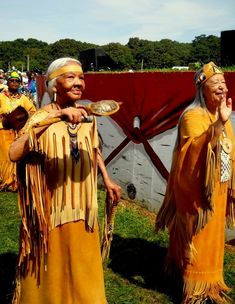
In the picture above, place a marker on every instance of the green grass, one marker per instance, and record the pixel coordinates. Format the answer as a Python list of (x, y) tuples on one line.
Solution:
[(9, 218), (134, 272)]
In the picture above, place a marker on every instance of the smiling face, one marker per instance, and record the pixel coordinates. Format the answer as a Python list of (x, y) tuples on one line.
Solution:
[(69, 86), (214, 91)]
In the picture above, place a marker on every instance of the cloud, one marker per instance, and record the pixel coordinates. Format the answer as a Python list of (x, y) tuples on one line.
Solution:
[(105, 21)]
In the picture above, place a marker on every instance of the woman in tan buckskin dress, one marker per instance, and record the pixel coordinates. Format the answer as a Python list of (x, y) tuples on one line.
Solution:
[(59, 256)]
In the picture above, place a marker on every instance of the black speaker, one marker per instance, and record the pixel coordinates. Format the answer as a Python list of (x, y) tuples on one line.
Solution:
[(96, 60), (227, 48)]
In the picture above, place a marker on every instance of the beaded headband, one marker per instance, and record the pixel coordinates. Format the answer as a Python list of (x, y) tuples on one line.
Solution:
[(65, 69), (207, 71)]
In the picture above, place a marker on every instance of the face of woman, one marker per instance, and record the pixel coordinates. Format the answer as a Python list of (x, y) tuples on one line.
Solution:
[(13, 84), (69, 87), (214, 91)]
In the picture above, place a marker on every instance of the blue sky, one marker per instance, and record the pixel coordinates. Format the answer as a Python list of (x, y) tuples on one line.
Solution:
[(105, 21)]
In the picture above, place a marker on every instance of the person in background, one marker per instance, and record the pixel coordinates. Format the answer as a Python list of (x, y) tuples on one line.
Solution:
[(10, 100), (59, 255), (32, 86), (3, 86), (23, 89), (200, 191)]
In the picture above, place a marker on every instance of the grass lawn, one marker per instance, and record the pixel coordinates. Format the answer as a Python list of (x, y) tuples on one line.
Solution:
[(134, 272)]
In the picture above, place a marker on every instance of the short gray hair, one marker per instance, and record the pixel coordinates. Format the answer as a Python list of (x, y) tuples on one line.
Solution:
[(55, 65)]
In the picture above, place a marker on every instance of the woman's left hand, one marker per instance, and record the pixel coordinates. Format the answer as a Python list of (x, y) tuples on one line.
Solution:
[(225, 109), (113, 189)]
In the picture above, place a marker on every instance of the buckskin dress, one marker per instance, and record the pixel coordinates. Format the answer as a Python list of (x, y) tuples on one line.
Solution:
[(196, 206), (59, 257)]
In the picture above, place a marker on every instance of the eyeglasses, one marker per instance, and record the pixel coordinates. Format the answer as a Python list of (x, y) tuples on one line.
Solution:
[(14, 80)]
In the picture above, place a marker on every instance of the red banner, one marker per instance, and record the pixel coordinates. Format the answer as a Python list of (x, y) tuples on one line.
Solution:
[(157, 98)]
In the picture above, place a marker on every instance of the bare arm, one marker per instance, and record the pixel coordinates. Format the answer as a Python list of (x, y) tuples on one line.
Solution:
[(113, 189)]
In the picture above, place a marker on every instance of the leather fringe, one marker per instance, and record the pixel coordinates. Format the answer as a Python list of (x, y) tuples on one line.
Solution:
[(198, 292), (210, 176), (34, 205)]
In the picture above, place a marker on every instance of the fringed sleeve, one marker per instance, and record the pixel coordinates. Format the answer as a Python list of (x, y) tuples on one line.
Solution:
[(34, 200)]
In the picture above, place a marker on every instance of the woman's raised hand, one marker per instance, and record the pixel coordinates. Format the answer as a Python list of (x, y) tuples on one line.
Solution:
[(225, 109)]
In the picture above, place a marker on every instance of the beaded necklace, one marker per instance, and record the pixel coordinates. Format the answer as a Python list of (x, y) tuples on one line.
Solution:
[(13, 100), (72, 131)]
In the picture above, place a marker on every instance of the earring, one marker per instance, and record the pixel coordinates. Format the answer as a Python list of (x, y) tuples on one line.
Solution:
[(54, 96)]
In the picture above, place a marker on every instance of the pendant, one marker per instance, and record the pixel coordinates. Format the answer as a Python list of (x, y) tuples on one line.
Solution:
[(72, 130), (226, 145)]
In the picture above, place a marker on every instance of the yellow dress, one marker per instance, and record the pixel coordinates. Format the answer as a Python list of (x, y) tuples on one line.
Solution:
[(7, 168), (59, 258), (195, 208), (3, 87)]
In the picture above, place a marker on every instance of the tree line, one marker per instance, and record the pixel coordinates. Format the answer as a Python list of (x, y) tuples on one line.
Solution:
[(137, 54)]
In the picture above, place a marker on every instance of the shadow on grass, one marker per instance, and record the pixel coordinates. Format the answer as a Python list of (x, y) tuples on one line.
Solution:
[(7, 274), (232, 242), (142, 263)]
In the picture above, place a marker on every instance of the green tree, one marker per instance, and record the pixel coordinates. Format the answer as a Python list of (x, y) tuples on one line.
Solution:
[(145, 53), (205, 49), (120, 54), (67, 48), (173, 53), (16, 53), (159, 54), (136, 54), (64, 48)]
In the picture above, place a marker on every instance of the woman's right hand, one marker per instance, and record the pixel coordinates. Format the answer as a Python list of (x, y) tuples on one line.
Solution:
[(70, 114)]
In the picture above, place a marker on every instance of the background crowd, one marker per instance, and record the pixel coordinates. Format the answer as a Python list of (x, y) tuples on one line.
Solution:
[(17, 101), (27, 84)]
